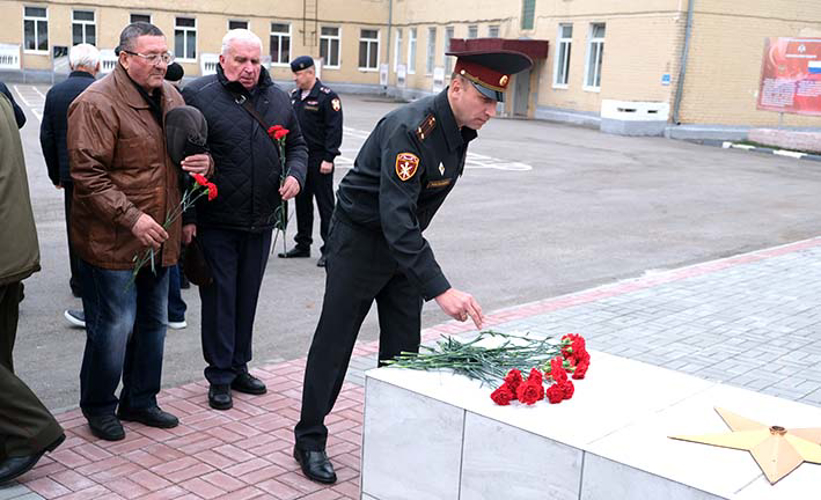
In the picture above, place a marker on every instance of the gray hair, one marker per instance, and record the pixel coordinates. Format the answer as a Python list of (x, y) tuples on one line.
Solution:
[(135, 30), (85, 55), (239, 35)]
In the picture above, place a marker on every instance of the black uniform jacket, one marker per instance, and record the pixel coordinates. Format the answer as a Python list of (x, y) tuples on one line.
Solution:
[(320, 118), (247, 163), (402, 174)]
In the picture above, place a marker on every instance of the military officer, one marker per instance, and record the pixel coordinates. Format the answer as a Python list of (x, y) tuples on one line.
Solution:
[(376, 251), (319, 112)]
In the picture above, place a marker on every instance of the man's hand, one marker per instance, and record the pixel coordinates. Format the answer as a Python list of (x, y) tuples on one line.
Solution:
[(189, 231), (197, 164), (290, 188), (149, 232), (459, 305), (326, 167)]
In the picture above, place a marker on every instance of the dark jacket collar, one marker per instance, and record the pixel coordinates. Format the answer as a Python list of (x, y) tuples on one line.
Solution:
[(237, 88), (81, 74), (454, 136), (315, 89)]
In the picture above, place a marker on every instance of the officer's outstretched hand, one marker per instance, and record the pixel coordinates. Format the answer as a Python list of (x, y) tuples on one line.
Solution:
[(290, 188), (459, 305)]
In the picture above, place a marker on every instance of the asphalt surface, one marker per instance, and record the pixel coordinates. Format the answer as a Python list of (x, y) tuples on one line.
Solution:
[(543, 209)]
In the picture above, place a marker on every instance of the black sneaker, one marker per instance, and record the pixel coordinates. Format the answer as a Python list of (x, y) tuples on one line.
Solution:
[(106, 427), (152, 417)]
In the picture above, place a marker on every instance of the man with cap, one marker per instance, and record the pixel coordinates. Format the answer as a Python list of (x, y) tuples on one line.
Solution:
[(319, 112), (376, 251)]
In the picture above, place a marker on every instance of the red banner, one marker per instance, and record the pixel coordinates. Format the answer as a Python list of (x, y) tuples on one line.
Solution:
[(791, 76)]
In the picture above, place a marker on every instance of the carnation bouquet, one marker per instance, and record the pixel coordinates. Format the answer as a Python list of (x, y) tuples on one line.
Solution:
[(546, 361)]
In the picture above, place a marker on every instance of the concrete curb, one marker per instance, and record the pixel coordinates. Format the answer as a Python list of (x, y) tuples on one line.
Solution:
[(779, 152)]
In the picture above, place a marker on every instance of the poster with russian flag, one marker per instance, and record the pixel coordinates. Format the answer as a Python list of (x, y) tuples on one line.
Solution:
[(791, 76)]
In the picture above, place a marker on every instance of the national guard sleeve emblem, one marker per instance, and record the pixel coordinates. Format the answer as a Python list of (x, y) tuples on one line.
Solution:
[(406, 165), (336, 104)]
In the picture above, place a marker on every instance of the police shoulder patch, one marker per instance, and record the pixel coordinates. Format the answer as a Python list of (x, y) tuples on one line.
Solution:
[(336, 104), (406, 165)]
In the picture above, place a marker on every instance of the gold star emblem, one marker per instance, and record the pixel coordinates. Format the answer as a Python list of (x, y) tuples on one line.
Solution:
[(778, 451)]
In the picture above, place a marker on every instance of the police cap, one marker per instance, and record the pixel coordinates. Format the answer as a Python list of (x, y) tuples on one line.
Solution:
[(301, 62), (490, 71)]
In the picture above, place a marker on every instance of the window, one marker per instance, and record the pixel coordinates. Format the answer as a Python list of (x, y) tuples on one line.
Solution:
[(280, 43), (329, 42), (236, 25), (448, 59), (431, 51), (397, 48), (528, 14), (473, 31), (493, 31), (83, 28), (140, 18), (35, 29), (368, 49), (595, 53), (562, 66), (411, 51), (185, 38)]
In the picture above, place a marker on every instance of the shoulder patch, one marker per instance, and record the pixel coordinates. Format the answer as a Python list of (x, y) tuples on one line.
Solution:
[(336, 104), (406, 165), (325, 89), (426, 127)]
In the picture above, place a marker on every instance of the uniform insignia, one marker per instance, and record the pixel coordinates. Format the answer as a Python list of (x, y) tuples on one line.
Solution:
[(426, 127), (325, 89), (336, 104), (439, 183), (406, 165), (441, 169), (503, 80)]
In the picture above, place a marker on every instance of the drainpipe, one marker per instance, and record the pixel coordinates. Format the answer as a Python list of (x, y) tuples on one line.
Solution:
[(683, 67)]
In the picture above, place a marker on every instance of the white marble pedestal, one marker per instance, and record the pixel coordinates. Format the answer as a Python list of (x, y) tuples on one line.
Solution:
[(433, 435)]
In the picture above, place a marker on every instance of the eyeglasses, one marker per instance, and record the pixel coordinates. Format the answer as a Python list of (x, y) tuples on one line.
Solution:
[(155, 59)]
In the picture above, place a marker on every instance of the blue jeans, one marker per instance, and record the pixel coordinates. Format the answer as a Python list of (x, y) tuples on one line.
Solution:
[(176, 306), (125, 336)]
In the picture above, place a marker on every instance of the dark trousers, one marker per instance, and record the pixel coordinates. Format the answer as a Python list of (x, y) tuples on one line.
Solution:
[(319, 186), (229, 304), (74, 280), (359, 270), (26, 426), (176, 305)]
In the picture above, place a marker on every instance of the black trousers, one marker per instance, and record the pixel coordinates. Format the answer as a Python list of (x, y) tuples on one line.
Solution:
[(359, 270), (319, 186), (74, 280), (229, 304), (26, 426)]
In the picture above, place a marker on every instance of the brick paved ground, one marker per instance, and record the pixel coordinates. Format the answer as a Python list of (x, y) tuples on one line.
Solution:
[(752, 320)]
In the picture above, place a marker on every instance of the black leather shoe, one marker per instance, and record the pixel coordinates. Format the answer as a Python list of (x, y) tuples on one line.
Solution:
[(296, 252), (219, 397), (106, 427), (315, 465), (14, 467), (248, 384), (321, 262), (152, 417)]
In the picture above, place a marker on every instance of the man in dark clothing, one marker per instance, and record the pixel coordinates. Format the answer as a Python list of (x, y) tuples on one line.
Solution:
[(19, 115), (319, 112), (27, 429), (240, 104), (403, 172), (84, 61)]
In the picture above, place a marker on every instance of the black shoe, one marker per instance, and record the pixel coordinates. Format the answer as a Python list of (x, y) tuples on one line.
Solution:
[(106, 427), (76, 317), (321, 262), (152, 417), (219, 397), (296, 252), (14, 467), (315, 465), (248, 384)]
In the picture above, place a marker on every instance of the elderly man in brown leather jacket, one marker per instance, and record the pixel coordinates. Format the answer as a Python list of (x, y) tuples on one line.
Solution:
[(125, 184)]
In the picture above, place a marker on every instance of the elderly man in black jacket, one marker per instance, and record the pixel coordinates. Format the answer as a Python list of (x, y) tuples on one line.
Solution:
[(240, 103), (84, 60)]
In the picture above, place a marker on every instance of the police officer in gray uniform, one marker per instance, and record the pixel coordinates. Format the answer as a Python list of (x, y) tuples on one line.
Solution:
[(376, 251)]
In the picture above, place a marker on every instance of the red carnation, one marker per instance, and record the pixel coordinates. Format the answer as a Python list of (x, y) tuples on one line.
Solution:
[(201, 180), (273, 130), (535, 377), (279, 134), (567, 389), (581, 370), (512, 380), (212, 191), (502, 396), (555, 394), (530, 393), (557, 371)]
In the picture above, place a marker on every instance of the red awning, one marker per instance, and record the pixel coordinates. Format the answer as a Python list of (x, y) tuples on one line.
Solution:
[(536, 49)]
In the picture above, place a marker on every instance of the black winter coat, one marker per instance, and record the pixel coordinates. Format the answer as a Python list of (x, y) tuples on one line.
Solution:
[(247, 161)]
